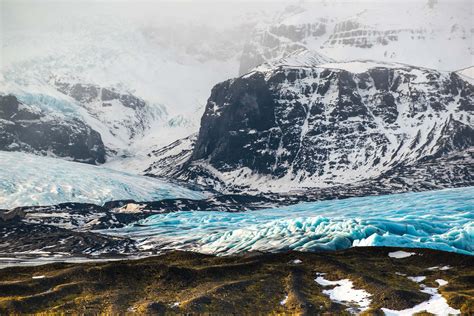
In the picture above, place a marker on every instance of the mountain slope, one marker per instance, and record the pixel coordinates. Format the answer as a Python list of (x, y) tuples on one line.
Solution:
[(91, 62), (467, 74), (29, 129), (331, 124), (170, 159), (123, 117), (437, 36)]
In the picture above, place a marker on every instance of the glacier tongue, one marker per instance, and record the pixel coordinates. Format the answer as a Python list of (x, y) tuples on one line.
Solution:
[(436, 219), (32, 180)]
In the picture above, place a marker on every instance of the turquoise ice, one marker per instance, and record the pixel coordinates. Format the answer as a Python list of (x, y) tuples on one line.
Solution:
[(436, 219)]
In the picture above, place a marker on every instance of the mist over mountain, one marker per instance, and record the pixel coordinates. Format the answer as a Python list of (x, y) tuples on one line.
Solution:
[(432, 34), (170, 54), (166, 55)]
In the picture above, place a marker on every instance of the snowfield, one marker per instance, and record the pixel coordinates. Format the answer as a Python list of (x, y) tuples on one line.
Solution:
[(32, 180)]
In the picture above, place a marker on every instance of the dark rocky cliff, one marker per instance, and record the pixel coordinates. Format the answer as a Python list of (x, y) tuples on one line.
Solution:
[(291, 126), (26, 129)]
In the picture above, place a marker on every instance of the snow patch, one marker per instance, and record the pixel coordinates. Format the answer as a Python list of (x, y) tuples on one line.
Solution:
[(358, 67), (417, 279), (444, 268), (441, 282), (400, 254), (344, 293), (131, 208), (437, 304), (467, 74)]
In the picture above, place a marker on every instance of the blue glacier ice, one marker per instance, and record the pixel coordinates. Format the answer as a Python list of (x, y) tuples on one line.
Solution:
[(54, 103), (435, 219), (27, 179)]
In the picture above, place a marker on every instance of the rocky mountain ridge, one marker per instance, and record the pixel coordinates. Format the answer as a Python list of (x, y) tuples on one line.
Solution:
[(292, 127)]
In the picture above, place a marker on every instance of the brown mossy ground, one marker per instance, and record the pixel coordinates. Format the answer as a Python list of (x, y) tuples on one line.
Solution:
[(191, 283)]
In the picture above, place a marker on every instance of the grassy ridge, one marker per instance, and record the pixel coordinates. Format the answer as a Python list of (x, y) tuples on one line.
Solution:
[(185, 282)]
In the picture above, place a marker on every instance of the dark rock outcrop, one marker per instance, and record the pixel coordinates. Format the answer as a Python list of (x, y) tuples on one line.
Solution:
[(293, 127), (26, 129)]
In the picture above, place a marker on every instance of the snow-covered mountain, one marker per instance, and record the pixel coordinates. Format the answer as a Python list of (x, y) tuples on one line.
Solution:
[(302, 126), (98, 58), (121, 118), (467, 74), (92, 62), (437, 35)]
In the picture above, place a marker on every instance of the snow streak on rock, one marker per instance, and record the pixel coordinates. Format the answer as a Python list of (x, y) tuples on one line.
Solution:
[(301, 126)]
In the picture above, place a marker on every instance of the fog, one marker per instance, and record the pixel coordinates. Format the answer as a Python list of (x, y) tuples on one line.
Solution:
[(173, 52)]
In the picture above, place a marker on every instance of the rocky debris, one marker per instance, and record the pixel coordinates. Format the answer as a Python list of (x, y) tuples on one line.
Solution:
[(23, 237), (12, 215), (170, 159), (115, 214)]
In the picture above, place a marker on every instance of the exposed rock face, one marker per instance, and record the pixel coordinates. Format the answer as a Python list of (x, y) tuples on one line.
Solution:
[(26, 129), (170, 159), (293, 127), (11, 215)]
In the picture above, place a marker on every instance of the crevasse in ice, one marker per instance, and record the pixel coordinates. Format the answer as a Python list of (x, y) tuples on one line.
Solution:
[(436, 219)]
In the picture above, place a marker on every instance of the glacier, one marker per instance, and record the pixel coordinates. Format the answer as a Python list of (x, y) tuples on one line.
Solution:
[(441, 220), (26, 179)]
